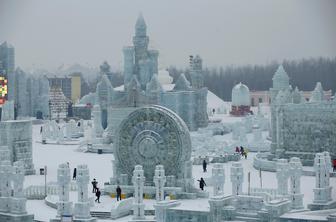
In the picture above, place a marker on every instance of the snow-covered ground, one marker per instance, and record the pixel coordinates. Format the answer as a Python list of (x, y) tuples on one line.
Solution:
[(101, 168)]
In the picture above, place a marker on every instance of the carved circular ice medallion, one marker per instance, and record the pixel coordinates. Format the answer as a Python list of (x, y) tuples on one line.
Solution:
[(148, 148), (151, 136)]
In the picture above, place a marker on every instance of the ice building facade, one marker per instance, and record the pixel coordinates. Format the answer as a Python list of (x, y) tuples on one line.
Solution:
[(300, 128), (141, 87), (16, 137)]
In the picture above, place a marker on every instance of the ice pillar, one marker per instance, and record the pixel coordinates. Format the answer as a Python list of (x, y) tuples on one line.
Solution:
[(138, 180), (6, 171), (295, 170), (18, 202), (237, 178), (322, 190), (282, 175), (64, 206), (218, 178), (159, 181), (97, 123), (82, 207)]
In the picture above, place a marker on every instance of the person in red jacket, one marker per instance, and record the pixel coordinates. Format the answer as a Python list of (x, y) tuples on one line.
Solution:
[(334, 165)]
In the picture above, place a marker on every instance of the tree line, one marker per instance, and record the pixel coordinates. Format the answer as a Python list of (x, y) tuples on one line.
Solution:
[(302, 73)]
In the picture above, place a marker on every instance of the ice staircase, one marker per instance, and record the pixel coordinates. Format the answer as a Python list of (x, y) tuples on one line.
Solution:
[(101, 214), (247, 216)]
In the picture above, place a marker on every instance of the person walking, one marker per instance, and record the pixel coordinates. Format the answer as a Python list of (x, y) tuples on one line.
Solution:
[(242, 150), (202, 183), (118, 193), (334, 165), (94, 186), (204, 166), (97, 195), (74, 175), (237, 149)]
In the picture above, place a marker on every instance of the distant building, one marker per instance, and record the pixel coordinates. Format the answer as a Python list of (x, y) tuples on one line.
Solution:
[(58, 103), (7, 59), (74, 87), (64, 83)]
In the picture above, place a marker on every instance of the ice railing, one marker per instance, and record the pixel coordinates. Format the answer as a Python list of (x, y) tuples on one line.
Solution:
[(39, 191), (267, 193)]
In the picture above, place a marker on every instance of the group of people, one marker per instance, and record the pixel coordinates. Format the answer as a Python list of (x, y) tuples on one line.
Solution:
[(243, 152), (96, 190)]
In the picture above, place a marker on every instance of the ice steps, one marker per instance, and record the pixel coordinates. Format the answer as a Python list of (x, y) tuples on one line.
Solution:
[(101, 214)]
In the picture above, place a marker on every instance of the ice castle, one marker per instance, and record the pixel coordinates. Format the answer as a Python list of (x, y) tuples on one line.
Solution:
[(142, 87)]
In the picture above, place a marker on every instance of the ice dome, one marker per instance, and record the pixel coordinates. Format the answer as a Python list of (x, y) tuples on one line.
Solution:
[(240, 95)]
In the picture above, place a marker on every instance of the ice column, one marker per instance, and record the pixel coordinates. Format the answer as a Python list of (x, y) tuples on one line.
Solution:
[(237, 178), (328, 166), (282, 174), (138, 180), (159, 181), (82, 208), (218, 178), (68, 131), (322, 190), (54, 128), (18, 201), (295, 170), (64, 206), (6, 171), (98, 129), (257, 136)]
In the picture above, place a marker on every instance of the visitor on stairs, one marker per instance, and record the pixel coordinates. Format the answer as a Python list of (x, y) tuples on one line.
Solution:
[(118, 193), (204, 166), (202, 183), (94, 186), (97, 195)]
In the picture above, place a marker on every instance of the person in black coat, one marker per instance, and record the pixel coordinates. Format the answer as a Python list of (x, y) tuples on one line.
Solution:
[(74, 174), (97, 195), (202, 183), (242, 150), (204, 166), (94, 186), (118, 193)]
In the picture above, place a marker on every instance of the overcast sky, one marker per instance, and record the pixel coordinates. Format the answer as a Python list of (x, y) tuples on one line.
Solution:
[(48, 33)]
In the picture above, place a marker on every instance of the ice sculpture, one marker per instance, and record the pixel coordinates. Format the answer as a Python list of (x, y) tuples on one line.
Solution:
[(237, 178), (218, 179), (138, 182)]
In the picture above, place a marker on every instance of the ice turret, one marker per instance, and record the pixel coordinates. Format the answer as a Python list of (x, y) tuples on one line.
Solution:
[(182, 83), (280, 79), (318, 94), (140, 26)]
